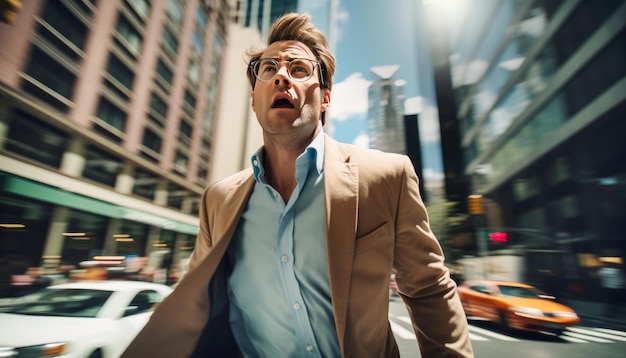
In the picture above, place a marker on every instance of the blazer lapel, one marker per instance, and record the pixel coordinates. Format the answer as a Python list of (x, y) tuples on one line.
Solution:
[(341, 180), (175, 327)]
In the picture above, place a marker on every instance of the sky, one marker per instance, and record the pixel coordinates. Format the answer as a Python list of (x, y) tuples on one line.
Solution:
[(374, 33)]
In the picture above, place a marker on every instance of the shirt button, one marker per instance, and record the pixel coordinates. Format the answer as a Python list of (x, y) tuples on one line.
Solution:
[(284, 258), (296, 305), (309, 347), (255, 162)]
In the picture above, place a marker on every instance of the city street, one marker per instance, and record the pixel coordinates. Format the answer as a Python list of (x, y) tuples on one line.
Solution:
[(586, 340)]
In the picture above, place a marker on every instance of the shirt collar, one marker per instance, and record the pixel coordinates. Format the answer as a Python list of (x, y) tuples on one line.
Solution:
[(314, 151)]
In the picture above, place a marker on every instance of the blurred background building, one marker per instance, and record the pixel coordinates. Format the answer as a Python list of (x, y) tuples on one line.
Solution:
[(531, 96), (107, 112), (385, 117), (116, 114)]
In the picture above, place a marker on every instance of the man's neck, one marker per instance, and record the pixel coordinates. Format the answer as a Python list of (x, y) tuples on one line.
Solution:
[(280, 166)]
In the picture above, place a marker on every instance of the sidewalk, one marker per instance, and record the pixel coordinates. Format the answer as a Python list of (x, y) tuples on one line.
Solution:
[(592, 311)]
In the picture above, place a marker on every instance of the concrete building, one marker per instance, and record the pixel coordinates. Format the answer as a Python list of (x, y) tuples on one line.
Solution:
[(107, 118)]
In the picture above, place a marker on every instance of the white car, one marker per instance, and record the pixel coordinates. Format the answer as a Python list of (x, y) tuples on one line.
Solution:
[(78, 320)]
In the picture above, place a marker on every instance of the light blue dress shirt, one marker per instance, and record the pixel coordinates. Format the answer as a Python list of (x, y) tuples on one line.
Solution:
[(280, 304)]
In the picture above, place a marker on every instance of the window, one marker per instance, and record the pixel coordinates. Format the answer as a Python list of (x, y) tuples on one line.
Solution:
[(145, 184), (135, 242), (57, 80), (65, 23), (175, 11), (158, 105), (151, 140), (164, 71), (175, 196), (190, 99), (101, 167), (205, 148), (111, 114), (141, 7), (201, 19), (131, 38), (120, 72), (142, 302), (180, 163), (185, 129), (193, 72), (93, 228), (198, 46), (33, 139), (170, 40)]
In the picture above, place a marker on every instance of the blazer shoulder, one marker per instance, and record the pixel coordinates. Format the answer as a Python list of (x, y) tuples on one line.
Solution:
[(376, 159), (360, 155), (225, 184)]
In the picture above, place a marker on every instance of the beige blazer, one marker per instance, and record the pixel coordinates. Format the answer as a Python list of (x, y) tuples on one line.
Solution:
[(375, 221)]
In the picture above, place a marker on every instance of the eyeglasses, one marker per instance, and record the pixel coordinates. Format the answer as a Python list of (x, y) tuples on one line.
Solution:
[(299, 69)]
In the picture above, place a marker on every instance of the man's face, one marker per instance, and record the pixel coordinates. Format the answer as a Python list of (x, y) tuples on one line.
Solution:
[(284, 105)]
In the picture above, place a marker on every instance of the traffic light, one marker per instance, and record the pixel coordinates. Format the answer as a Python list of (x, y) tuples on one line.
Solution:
[(499, 236), (9, 9), (475, 204)]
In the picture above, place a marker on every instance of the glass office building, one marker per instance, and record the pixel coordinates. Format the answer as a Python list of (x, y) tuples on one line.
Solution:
[(539, 90)]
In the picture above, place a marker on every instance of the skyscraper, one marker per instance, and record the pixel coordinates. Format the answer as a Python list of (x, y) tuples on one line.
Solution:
[(385, 121)]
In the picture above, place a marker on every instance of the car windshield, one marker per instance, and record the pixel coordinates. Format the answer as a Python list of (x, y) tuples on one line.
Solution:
[(514, 291), (61, 302)]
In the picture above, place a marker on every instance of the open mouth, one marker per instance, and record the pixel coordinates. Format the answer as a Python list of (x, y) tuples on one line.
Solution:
[(282, 103)]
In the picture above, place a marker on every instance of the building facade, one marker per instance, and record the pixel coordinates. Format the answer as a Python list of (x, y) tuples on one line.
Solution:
[(539, 90), (107, 116)]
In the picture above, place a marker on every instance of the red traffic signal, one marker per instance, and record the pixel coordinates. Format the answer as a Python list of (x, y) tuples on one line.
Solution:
[(499, 236)]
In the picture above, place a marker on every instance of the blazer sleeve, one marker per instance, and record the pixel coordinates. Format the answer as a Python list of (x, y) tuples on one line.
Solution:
[(203, 239), (424, 282)]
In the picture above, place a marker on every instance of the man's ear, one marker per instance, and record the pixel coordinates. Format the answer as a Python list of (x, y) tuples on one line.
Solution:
[(252, 97), (325, 100)]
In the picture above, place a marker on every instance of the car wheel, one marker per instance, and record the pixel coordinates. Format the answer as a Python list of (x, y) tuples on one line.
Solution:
[(96, 354), (504, 321)]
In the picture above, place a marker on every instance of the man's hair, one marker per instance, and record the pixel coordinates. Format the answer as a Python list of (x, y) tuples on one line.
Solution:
[(298, 27)]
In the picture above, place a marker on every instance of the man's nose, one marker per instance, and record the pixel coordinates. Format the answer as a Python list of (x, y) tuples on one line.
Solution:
[(282, 76)]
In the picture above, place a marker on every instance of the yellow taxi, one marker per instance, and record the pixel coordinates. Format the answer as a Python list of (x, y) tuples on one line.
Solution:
[(516, 305)]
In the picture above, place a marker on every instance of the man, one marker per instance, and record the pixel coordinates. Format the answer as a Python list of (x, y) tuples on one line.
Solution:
[(294, 255)]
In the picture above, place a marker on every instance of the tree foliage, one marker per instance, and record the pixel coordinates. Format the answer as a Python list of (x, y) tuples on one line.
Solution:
[(447, 219)]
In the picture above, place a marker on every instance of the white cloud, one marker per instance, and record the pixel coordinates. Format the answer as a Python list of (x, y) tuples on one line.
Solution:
[(432, 176), (349, 97), (343, 16), (413, 105), (429, 125), (362, 140), (428, 117)]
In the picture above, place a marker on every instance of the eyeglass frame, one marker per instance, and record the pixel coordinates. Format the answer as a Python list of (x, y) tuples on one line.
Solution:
[(252, 64)]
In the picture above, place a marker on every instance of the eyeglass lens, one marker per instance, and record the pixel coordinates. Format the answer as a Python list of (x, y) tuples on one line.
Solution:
[(299, 69)]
